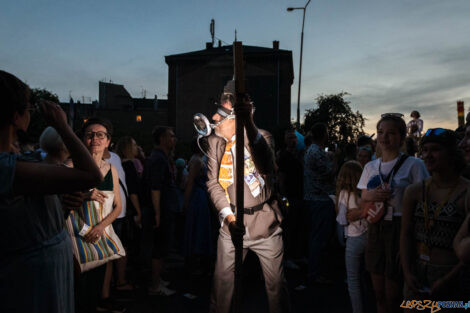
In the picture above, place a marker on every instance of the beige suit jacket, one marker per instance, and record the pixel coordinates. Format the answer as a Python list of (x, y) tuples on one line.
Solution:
[(262, 223)]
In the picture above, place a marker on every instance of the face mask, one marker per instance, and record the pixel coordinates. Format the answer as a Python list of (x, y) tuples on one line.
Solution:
[(204, 127)]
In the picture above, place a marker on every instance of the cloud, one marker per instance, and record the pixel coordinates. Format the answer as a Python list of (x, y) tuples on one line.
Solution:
[(400, 80)]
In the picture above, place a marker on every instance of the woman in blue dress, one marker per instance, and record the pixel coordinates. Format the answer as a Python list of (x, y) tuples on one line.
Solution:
[(36, 270), (197, 247)]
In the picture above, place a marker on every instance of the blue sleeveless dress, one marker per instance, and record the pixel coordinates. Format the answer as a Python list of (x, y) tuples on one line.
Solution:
[(198, 229)]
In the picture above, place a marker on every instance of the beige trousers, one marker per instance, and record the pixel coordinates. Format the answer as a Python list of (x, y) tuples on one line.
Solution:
[(270, 253)]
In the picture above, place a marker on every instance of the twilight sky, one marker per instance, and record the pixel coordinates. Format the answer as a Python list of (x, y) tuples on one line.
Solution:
[(391, 56)]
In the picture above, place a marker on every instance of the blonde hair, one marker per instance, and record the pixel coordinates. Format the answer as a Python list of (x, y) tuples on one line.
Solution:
[(348, 178)]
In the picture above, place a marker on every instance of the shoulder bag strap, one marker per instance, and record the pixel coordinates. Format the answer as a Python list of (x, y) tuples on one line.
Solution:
[(124, 188), (397, 166)]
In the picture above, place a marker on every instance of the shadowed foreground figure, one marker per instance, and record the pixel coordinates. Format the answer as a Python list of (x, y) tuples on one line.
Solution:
[(262, 233)]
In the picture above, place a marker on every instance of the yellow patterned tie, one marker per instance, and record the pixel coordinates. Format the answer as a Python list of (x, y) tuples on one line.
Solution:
[(226, 168)]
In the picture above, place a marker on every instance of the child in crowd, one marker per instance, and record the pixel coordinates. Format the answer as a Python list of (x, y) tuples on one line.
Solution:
[(349, 214)]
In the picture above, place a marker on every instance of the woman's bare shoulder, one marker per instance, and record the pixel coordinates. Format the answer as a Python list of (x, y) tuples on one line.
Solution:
[(415, 189)]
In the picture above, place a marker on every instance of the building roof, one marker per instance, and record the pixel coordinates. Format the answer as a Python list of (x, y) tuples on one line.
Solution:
[(223, 50), (116, 89)]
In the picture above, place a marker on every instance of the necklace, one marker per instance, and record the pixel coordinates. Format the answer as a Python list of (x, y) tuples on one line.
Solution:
[(102, 164)]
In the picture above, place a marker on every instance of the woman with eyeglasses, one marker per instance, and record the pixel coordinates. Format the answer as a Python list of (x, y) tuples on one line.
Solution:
[(383, 182), (433, 211), (36, 269), (96, 134)]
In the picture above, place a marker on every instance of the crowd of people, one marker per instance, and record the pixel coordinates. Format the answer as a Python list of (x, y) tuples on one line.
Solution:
[(82, 209)]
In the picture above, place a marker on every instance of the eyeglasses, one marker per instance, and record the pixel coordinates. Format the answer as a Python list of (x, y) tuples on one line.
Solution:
[(396, 115), (435, 131), (99, 134)]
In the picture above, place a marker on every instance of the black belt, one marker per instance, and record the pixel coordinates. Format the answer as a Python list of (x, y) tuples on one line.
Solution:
[(252, 210)]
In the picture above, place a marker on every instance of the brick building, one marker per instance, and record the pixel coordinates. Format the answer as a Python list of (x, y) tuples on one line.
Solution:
[(196, 80), (135, 117)]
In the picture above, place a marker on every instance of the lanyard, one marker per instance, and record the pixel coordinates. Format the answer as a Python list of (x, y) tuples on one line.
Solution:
[(390, 176), (429, 223)]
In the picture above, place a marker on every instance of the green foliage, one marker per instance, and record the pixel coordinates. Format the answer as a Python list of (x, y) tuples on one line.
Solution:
[(343, 124), (43, 94), (37, 123)]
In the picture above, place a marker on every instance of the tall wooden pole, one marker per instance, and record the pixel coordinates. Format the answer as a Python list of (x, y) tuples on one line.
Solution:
[(239, 173)]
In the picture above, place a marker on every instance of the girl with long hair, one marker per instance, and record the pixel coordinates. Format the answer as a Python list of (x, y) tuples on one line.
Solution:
[(348, 206)]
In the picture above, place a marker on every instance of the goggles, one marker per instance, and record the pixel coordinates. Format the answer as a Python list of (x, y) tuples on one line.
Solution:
[(204, 127)]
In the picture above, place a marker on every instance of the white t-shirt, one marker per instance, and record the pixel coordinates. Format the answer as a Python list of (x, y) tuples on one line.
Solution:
[(411, 171), (356, 228), (115, 160)]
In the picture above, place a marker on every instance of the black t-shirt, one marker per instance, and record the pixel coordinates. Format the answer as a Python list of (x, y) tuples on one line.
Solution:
[(133, 183), (159, 174), (291, 166), (132, 179)]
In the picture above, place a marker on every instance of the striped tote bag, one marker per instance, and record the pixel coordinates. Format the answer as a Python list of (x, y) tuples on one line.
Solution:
[(108, 247)]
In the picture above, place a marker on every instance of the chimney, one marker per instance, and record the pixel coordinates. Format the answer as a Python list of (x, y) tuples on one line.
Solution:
[(208, 45), (276, 45)]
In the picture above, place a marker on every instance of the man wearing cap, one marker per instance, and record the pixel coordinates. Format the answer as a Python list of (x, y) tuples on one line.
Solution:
[(262, 233)]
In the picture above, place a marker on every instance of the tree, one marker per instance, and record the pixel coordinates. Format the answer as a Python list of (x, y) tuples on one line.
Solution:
[(343, 124), (37, 123)]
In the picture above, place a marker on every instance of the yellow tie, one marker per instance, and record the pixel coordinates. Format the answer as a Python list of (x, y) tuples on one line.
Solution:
[(226, 168)]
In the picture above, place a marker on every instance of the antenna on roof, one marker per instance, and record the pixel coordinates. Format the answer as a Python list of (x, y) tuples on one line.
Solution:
[(235, 35), (212, 29)]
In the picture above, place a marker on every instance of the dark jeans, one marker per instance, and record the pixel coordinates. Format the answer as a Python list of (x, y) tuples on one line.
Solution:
[(90, 284), (295, 230), (322, 220)]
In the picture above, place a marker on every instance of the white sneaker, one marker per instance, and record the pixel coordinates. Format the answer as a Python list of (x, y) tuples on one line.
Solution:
[(164, 282), (161, 291)]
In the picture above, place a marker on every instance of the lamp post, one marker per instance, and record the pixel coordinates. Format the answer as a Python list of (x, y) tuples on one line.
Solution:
[(290, 9)]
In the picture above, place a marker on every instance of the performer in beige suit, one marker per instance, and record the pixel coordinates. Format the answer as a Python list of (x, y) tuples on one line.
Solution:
[(262, 215)]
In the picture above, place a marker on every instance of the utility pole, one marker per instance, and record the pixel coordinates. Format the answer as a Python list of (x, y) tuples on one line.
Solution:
[(290, 9)]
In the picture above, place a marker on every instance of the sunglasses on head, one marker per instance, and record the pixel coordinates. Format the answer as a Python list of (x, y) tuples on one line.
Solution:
[(435, 131), (396, 115)]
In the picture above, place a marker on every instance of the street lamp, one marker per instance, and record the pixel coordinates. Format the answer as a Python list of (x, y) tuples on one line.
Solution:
[(290, 9)]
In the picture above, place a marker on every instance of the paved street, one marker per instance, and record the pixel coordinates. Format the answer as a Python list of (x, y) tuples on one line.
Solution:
[(331, 298)]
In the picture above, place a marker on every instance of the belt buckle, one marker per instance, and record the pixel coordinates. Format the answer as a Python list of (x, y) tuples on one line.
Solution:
[(249, 211)]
